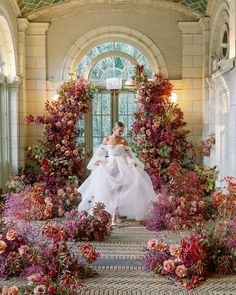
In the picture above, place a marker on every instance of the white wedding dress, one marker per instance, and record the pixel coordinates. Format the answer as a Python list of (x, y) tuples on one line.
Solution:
[(119, 181)]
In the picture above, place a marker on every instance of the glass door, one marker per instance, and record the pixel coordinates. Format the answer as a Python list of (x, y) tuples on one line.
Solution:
[(107, 108)]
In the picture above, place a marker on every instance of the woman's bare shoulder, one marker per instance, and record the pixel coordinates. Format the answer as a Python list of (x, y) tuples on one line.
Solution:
[(124, 141)]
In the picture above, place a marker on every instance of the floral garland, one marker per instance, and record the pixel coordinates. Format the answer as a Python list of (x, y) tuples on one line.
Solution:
[(159, 137), (52, 188)]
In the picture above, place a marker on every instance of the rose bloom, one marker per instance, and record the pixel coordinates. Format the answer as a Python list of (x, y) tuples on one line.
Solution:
[(11, 235), (175, 250), (169, 265), (3, 246), (48, 200), (152, 244), (58, 124), (40, 290), (201, 204), (12, 290), (60, 192), (181, 271), (23, 249)]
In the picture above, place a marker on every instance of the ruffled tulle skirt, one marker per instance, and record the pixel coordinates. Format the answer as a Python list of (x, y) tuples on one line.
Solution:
[(124, 189)]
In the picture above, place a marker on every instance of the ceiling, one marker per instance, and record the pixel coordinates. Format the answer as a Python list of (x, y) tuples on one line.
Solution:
[(31, 6)]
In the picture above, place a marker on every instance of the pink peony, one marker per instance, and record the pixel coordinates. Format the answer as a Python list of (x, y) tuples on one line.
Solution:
[(169, 265), (181, 271)]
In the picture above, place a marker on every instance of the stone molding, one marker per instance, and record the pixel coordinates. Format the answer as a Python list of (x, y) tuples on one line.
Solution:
[(37, 28), (23, 24), (190, 27)]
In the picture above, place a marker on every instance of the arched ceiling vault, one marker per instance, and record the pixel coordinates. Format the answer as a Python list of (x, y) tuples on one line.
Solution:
[(29, 7)]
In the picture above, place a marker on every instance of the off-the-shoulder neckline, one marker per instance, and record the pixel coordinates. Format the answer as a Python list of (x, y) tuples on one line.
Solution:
[(115, 144)]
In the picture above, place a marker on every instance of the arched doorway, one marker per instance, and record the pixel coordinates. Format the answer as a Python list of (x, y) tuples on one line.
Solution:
[(111, 66), (8, 105)]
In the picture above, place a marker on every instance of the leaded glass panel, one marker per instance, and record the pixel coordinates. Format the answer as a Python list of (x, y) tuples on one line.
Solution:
[(101, 110), (127, 48), (99, 49), (83, 65)]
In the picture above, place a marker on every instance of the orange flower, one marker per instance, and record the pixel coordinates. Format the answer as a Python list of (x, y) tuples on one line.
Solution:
[(169, 265), (13, 290), (181, 271), (162, 247), (11, 235), (3, 246)]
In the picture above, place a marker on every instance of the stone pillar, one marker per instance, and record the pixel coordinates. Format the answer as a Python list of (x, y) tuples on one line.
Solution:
[(192, 77), (14, 127), (22, 101), (9, 131), (36, 75)]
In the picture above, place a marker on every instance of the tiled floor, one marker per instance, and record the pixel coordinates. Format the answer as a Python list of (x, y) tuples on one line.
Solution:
[(120, 271)]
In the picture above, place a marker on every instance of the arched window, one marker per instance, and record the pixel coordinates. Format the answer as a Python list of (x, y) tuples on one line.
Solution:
[(104, 61), (120, 60)]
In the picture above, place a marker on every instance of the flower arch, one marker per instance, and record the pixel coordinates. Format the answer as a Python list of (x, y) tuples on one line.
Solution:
[(114, 33)]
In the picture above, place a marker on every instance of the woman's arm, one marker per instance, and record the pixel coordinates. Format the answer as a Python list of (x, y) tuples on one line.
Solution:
[(97, 158)]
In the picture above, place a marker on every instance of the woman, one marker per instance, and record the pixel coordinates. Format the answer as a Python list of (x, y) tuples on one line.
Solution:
[(118, 180)]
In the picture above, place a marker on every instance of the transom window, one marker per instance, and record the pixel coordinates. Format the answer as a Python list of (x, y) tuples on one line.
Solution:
[(112, 66)]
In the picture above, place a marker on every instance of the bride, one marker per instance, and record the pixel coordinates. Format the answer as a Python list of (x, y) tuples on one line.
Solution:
[(118, 180)]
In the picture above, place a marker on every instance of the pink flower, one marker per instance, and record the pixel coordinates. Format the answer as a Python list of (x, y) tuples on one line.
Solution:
[(48, 200), (171, 199), (60, 192), (152, 244), (58, 124), (181, 271), (23, 249), (175, 250), (40, 290), (169, 265), (201, 204), (11, 235)]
